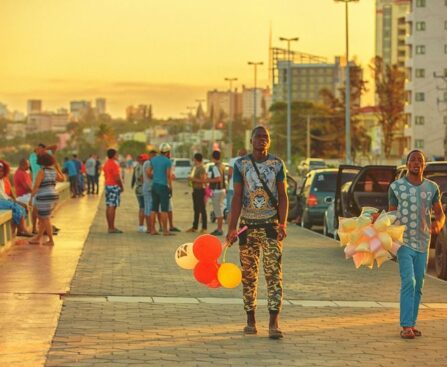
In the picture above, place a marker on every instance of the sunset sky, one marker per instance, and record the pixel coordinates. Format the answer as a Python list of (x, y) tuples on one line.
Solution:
[(165, 53)]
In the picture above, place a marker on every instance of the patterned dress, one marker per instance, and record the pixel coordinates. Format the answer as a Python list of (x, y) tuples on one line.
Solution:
[(47, 195)]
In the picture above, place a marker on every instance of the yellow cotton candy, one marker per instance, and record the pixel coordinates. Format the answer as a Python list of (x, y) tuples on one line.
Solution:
[(354, 237), (363, 247), (381, 253), (382, 259), (392, 218), (363, 221), (368, 260), (348, 224), (396, 232), (386, 240), (382, 223), (344, 238)]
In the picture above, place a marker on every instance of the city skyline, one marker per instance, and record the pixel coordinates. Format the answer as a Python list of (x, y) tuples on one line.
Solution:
[(166, 54)]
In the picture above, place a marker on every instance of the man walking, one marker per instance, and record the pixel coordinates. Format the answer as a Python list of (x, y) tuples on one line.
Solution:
[(414, 198), (198, 180), (114, 188), (260, 199), (216, 179), (160, 172)]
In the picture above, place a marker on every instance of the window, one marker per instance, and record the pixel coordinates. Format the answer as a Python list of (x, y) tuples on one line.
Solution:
[(420, 73), (420, 50), (419, 120), (419, 143), (420, 26), (419, 97), (420, 3), (325, 182), (375, 180)]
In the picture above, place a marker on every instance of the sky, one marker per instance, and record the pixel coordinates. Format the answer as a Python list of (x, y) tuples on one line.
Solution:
[(166, 53)]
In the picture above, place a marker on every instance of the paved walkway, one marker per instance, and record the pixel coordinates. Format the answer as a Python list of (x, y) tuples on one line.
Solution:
[(129, 304)]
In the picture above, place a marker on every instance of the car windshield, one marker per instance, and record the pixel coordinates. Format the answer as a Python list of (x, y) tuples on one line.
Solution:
[(317, 164), (325, 182), (182, 163)]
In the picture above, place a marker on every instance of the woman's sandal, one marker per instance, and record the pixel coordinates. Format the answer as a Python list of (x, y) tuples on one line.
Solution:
[(416, 332), (250, 330), (275, 334), (407, 334)]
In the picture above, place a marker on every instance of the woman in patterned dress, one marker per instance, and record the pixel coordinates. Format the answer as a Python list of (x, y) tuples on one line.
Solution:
[(46, 196)]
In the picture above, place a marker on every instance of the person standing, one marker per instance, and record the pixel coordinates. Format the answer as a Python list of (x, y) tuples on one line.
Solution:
[(414, 197), (23, 182), (260, 200), (40, 149), (69, 168), (46, 196), (79, 176), (114, 188), (198, 180), (137, 182), (147, 193), (216, 180), (160, 172), (97, 173), (90, 171)]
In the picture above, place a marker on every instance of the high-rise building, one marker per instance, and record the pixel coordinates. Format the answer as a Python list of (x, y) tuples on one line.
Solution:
[(141, 112), (34, 106), (78, 109), (391, 30), (100, 105), (263, 102), (426, 85)]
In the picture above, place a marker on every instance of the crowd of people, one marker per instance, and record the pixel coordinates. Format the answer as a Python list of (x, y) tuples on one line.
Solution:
[(82, 175)]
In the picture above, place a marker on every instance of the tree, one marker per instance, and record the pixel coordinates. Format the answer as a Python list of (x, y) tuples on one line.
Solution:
[(105, 138), (132, 147), (390, 83)]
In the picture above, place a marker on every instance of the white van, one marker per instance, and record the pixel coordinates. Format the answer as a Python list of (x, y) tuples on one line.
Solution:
[(181, 167)]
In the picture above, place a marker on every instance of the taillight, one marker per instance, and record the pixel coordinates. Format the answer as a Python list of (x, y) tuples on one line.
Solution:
[(312, 200)]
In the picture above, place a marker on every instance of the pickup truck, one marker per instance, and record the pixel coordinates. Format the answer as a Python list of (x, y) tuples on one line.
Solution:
[(368, 186)]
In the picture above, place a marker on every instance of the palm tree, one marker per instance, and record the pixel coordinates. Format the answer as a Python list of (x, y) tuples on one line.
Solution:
[(105, 138)]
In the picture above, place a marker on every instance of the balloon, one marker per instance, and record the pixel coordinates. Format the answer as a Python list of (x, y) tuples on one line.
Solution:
[(386, 240), (206, 272), (396, 232), (347, 224), (229, 275), (214, 283), (207, 248), (184, 256)]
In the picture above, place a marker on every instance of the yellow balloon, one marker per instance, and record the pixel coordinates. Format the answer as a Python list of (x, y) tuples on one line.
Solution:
[(229, 275)]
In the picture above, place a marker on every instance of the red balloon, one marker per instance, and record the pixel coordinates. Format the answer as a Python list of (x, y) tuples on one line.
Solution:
[(207, 248), (206, 272)]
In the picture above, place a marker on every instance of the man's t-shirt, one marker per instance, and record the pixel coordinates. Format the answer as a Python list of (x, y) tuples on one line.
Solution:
[(147, 182), (90, 166), (160, 164), (112, 172), (414, 204), (22, 182), (70, 168), (256, 205), (199, 172), (215, 171)]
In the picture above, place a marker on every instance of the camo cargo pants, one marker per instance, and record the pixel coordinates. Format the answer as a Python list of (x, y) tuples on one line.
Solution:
[(250, 250)]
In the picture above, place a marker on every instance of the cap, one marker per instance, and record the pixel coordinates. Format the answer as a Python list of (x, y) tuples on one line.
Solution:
[(165, 147), (143, 157)]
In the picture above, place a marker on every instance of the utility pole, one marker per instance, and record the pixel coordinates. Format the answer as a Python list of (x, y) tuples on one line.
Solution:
[(230, 117)]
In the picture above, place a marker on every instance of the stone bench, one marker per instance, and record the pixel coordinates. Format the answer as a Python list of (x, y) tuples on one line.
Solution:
[(5, 229)]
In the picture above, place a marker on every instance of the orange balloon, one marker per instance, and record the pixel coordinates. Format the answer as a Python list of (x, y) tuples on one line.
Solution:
[(207, 248), (206, 272)]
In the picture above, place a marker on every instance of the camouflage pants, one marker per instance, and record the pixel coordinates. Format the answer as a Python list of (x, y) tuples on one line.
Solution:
[(257, 240)]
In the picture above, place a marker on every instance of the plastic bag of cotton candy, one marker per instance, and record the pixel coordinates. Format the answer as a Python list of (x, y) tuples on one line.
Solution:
[(370, 237)]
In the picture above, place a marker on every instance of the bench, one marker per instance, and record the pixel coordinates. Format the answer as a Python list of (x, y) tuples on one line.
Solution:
[(5, 229)]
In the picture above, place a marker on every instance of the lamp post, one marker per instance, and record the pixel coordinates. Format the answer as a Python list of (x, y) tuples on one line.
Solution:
[(289, 99), (255, 64), (347, 87), (230, 117)]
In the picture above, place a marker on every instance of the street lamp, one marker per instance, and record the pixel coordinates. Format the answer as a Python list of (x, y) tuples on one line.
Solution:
[(255, 64), (347, 87), (289, 99), (230, 120)]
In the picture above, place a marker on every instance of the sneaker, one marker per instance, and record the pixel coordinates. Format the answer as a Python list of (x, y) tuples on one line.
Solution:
[(174, 229), (190, 230), (217, 233), (141, 229)]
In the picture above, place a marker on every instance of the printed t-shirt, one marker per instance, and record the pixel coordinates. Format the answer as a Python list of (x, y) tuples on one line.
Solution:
[(414, 204), (112, 172), (256, 205), (160, 164), (22, 182), (199, 172)]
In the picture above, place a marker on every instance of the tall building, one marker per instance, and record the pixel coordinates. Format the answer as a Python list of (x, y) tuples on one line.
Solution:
[(100, 105), (3, 110), (426, 107), (141, 112), (33, 106), (391, 30), (78, 109), (47, 121), (263, 102), (222, 105)]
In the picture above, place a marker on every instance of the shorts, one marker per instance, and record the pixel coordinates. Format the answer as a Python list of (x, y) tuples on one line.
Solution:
[(147, 197), (160, 198), (140, 199), (113, 194), (218, 201), (24, 199)]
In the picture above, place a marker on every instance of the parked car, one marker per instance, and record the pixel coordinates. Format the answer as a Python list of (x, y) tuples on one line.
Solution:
[(441, 246), (317, 192), (310, 164), (369, 187), (181, 167)]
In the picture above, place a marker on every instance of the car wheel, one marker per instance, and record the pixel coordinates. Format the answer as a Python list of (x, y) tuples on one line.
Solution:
[(441, 257), (305, 222)]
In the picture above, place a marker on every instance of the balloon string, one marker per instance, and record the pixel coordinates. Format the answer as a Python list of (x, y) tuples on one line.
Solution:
[(226, 246)]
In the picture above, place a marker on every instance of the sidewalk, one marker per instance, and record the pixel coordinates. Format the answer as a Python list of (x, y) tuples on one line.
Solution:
[(32, 279), (130, 305)]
